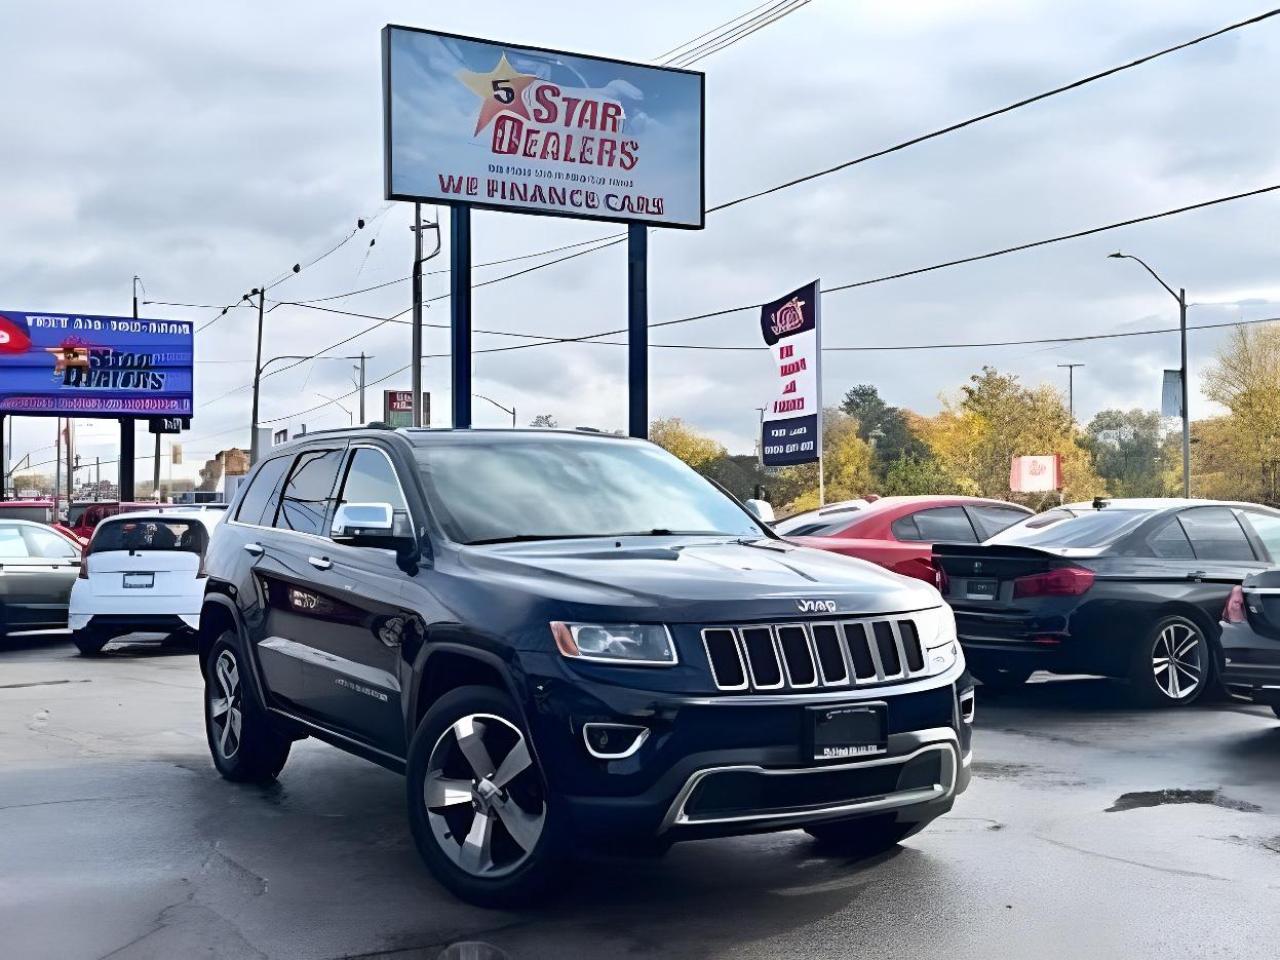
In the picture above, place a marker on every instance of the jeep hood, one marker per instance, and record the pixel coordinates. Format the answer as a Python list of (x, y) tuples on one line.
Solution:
[(698, 579)]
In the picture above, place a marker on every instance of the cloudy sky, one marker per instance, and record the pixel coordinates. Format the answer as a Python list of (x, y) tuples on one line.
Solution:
[(206, 148)]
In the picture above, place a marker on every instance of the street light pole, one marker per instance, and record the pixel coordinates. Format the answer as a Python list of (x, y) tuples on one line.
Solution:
[(363, 421), (1071, 390), (511, 410), (1181, 297)]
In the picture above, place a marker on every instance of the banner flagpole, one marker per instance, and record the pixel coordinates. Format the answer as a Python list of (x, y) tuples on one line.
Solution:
[(817, 362)]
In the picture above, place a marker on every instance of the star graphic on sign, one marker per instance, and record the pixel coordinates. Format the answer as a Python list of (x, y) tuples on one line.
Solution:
[(502, 88)]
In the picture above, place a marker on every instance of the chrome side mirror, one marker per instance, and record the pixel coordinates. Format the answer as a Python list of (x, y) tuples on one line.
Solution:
[(356, 520), (761, 509)]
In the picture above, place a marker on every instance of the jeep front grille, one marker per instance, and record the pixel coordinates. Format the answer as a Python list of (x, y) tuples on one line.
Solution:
[(804, 656)]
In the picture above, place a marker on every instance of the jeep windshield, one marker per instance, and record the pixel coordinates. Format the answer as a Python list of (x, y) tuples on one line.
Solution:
[(487, 489)]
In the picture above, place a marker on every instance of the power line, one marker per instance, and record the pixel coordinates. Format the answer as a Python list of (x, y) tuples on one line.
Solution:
[(741, 32), (674, 51), (931, 135)]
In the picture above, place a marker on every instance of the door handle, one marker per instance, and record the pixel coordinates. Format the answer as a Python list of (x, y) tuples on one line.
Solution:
[(320, 563), (253, 549), (1196, 575)]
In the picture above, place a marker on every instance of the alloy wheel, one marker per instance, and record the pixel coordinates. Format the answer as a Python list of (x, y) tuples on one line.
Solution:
[(1178, 660), (226, 709), (483, 796)]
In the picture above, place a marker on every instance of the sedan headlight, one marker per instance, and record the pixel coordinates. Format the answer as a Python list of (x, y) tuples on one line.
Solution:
[(937, 629), (633, 644)]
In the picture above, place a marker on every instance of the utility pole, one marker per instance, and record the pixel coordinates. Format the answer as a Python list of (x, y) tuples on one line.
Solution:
[(57, 470), (1186, 413), (97, 476), (257, 380), (363, 421), (1071, 390)]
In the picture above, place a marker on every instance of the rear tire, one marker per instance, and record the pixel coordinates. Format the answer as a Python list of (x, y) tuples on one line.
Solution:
[(998, 680), (1173, 665), (88, 642), (863, 837), (471, 775), (244, 745)]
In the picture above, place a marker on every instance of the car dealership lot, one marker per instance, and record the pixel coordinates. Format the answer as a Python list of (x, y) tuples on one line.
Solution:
[(117, 838)]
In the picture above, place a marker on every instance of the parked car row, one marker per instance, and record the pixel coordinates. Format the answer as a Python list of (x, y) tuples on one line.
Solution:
[(563, 638)]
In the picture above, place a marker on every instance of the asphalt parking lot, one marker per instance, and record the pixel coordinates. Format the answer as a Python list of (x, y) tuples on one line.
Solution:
[(1092, 829)]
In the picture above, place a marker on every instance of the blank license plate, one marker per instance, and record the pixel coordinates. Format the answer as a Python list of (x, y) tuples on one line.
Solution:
[(139, 581), (842, 732), (981, 589)]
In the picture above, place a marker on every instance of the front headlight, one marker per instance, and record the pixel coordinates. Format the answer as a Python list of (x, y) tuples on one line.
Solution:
[(937, 629), (633, 644)]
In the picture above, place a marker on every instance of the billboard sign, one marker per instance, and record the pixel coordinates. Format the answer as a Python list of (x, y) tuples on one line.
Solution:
[(791, 430), (77, 365), (533, 130), (168, 424)]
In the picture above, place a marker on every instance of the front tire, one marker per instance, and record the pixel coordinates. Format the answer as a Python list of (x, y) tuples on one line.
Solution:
[(479, 808), (863, 837), (1173, 665), (88, 642), (242, 742)]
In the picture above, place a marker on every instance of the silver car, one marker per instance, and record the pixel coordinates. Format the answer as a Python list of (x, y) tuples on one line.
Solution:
[(37, 569)]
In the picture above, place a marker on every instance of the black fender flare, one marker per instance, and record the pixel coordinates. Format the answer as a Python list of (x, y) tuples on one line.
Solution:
[(432, 650), (228, 605)]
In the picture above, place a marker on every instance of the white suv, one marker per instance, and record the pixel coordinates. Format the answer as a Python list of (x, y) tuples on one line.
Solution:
[(141, 573)]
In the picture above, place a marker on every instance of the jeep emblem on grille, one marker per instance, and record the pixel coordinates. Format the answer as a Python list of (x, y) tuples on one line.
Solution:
[(816, 606)]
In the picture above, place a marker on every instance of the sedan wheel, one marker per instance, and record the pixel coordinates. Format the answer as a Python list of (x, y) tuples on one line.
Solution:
[(1178, 660), (482, 795), (1175, 665)]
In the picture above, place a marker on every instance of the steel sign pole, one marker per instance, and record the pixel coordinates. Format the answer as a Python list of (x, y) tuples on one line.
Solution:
[(127, 456), (460, 314), (1186, 414), (363, 421), (415, 377), (638, 330)]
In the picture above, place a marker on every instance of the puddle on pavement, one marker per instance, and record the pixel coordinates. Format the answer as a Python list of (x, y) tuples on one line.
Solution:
[(1159, 798)]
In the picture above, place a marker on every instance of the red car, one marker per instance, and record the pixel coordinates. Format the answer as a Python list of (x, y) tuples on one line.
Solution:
[(899, 532)]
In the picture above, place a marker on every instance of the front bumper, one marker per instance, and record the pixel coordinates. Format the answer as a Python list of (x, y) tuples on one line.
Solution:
[(730, 764)]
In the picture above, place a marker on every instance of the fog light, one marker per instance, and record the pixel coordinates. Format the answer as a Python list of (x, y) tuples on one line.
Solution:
[(613, 741), (967, 706)]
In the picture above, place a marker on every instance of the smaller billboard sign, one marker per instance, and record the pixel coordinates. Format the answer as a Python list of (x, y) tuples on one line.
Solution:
[(397, 408), (78, 365), (791, 428), (1041, 474), (280, 436)]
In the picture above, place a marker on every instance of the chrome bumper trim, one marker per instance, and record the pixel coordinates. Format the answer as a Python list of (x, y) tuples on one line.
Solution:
[(941, 740)]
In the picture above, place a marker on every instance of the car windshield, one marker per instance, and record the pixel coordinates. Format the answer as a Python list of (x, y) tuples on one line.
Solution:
[(1095, 529), (558, 487), (140, 535)]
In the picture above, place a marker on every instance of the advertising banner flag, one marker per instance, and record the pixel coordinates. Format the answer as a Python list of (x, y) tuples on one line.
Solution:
[(791, 431), (77, 365), (1036, 474), (1171, 394), (511, 127)]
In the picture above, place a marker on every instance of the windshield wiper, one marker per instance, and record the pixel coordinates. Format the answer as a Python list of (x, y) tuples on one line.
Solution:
[(665, 532)]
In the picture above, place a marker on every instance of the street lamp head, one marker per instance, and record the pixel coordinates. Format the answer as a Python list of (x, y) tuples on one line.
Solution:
[(1116, 256)]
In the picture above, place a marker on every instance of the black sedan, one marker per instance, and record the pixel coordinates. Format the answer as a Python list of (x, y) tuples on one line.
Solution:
[(1251, 640), (1122, 588)]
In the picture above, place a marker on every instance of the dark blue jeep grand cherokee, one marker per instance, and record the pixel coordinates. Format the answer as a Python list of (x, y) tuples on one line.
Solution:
[(567, 637)]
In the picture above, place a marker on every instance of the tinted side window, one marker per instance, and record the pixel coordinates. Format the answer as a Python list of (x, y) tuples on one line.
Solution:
[(1216, 534), (304, 501), (372, 479), (904, 528), (1267, 528), (945, 525), (254, 506), (994, 519), (1170, 542)]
